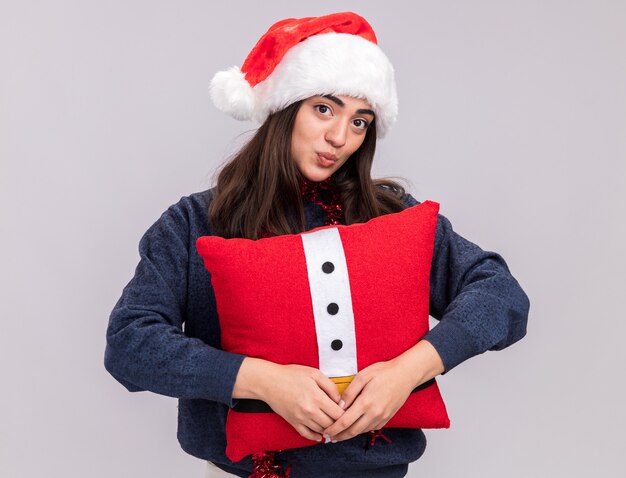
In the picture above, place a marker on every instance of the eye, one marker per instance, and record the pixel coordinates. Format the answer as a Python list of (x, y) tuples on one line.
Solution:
[(360, 123), (323, 109)]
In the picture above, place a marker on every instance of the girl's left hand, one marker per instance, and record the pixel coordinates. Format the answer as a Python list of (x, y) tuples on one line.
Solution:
[(372, 398)]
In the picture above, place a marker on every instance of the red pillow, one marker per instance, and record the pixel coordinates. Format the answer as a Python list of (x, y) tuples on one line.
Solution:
[(338, 298)]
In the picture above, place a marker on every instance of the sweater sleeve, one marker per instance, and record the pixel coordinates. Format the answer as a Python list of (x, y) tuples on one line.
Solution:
[(479, 304), (146, 347)]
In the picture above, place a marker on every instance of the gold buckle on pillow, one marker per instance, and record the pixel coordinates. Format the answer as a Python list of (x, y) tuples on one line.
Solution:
[(342, 382)]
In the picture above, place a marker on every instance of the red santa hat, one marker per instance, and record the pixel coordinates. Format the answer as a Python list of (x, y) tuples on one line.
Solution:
[(298, 58)]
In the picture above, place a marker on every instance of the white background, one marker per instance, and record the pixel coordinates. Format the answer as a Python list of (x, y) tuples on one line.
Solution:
[(512, 116)]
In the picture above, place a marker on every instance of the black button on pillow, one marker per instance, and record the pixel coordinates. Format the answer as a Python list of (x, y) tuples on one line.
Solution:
[(336, 344), (328, 267), (332, 308)]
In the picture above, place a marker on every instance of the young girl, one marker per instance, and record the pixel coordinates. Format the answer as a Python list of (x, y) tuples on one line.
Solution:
[(324, 91)]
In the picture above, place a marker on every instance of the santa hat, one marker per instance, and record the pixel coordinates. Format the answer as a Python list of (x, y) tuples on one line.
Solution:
[(298, 58)]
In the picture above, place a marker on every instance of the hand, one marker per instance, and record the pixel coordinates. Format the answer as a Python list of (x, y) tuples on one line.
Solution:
[(378, 391), (306, 398), (302, 395), (374, 396)]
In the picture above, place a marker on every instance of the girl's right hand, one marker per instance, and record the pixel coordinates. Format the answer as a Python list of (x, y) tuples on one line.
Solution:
[(303, 396)]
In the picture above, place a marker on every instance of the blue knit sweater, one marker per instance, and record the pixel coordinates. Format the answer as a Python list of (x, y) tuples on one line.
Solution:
[(164, 336)]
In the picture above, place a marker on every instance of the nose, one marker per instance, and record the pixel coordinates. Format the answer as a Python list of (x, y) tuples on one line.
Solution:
[(337, 133)]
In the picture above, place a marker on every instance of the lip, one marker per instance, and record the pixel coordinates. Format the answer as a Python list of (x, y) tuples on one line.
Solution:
[(327, 156), (324, 161)]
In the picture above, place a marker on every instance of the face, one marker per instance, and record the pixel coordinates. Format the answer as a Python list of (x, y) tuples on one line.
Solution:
[(327, 130)]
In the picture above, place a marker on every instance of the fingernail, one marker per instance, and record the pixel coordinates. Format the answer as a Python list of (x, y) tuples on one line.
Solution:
[(326, 438), (342, 404), (333, 441)]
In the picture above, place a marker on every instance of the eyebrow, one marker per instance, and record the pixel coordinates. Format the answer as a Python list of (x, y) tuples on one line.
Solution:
[(336, 100)]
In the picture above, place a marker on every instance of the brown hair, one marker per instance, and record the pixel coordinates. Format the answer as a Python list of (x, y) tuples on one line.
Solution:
[(258, 192)]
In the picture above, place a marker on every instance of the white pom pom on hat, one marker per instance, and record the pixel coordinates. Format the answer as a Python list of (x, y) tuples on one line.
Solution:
[(232, 94), (299, 58)]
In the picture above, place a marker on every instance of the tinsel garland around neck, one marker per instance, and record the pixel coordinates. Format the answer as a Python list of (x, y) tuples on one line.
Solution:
[(325, 195), (265, 466)]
